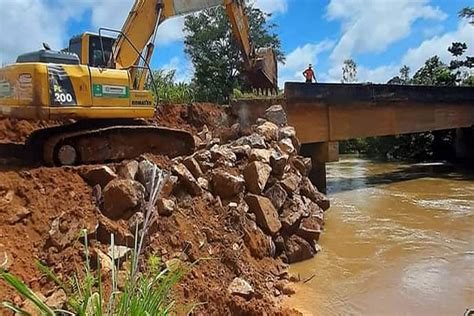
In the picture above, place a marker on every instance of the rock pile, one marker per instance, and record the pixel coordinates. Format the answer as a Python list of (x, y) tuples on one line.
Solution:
[(258, 175)]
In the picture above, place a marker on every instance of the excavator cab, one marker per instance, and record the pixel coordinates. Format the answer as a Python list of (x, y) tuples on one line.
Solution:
[(92, 49)]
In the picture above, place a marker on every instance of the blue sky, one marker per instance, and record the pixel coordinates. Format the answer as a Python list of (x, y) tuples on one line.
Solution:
[(380, 35)]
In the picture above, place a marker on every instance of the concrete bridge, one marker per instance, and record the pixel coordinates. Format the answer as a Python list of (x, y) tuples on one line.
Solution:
[(324, 114)]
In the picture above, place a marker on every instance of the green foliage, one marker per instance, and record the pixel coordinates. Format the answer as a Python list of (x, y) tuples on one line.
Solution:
[(467, 13), (214, 52), (165, 88), (435, 73), (349, 71)]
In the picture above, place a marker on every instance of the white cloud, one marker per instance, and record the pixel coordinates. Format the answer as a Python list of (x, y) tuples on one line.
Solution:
[(272, 6), (300, 57), (438, 45), (184, 69), (26, 24), (370, 26)]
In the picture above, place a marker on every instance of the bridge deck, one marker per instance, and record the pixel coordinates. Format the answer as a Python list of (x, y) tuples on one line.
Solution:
[(333, 112)]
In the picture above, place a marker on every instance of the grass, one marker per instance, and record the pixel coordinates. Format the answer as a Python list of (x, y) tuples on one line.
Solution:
[(146, 290)]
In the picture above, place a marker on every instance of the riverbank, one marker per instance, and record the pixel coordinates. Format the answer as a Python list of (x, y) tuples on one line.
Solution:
[(398, 240), (238, 211)]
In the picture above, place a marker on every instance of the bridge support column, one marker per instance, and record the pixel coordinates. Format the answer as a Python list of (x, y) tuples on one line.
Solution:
[(320, 153), (464, 143)]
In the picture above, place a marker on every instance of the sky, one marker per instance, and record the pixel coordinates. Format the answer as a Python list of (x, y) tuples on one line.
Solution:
[(380, 35)]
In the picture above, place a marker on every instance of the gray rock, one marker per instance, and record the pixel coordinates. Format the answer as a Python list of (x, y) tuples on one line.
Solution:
[(277, 115), (253, 140), (287, 132), (240, 287), (277, 195)]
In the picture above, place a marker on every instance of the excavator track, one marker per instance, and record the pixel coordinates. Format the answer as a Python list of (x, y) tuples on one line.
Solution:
[(98, 141)]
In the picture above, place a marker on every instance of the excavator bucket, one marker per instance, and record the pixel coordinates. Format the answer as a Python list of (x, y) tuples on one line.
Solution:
[(263, 74)]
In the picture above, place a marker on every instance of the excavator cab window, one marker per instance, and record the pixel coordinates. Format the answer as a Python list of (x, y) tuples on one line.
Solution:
[(97, 56), (75, 46)]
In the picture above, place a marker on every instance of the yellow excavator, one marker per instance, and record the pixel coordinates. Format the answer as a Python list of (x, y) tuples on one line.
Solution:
[(99, 82)]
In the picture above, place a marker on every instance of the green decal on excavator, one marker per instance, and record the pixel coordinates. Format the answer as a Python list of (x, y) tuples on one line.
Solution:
[(5, 89), (109, 91)]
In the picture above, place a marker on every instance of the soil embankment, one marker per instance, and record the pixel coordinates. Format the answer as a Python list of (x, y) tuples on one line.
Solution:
[(243, 200)]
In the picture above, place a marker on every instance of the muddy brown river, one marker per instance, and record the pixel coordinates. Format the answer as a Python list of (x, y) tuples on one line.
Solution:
[(398, 240)]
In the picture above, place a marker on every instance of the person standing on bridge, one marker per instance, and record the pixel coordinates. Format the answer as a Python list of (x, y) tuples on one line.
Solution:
[(309, 74)]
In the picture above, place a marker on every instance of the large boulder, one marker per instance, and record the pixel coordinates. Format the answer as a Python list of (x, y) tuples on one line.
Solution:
[(265, 212), (128, 170), (310, 229), (256, 175), (277, 195), (122, 196), (298, 249), (276, 114), (302, 164), (279, 163), (223, 154), (291, 182), (262, 155), (308, 190), (287, 132), (187, 179), (145, 173), (193, 166), (227, 185), (253, 140), (259, 244), (268, 130), (293, 211), (100, 175), (287, 146)]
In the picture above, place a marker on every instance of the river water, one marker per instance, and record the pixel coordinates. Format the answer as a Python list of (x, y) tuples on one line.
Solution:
[(398, 240)]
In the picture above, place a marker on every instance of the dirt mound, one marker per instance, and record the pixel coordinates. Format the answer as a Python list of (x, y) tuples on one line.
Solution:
[(16, 131), (241, 204)]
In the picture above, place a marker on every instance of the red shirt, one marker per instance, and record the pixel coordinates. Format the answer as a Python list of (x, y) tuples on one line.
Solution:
[(309, 74)]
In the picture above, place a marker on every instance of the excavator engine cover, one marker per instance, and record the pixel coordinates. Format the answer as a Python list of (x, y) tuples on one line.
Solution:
[(264, 72)]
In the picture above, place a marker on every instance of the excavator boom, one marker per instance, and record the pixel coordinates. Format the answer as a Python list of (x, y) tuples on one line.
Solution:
[(140, 29)]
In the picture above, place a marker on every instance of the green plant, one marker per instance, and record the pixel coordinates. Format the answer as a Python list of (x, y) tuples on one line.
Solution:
[(146, 290), (165, 89)]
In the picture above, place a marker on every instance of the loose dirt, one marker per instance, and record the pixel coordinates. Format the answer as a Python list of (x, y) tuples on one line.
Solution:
[(32, 200)]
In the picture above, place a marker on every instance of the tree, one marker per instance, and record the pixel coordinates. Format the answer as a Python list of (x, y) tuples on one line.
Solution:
[(349, 71), (405, 74), (212, 48), (404, 77), (435, 73), (467, 13)]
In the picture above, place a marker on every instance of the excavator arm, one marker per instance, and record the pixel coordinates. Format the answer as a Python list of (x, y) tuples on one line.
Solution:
[(134, 46)]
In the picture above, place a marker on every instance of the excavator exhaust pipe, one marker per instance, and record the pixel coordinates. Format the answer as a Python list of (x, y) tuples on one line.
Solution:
[(264, 72)]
